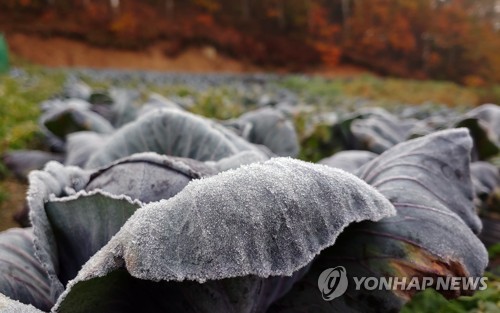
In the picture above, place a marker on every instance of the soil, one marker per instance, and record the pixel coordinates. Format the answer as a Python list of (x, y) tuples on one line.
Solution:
[(15, 194), (64, 52)]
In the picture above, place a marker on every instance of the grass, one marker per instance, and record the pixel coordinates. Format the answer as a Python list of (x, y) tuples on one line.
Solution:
[(19, 111), (390, 91), (19, 105), (486, 301)]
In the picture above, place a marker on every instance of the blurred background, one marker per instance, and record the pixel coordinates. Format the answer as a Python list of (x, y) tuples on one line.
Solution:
[(455, 40)]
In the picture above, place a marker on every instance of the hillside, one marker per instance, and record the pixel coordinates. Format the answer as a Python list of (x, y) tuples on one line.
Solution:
[(455, 40)]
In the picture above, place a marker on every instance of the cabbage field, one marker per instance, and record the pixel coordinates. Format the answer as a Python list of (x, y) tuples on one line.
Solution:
[(153, 192)]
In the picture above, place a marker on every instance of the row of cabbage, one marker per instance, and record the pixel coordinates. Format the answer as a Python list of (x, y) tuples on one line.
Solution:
[(151, 208)]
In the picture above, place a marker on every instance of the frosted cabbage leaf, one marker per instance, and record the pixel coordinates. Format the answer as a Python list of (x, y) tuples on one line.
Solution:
[(215, 231), (171, 132), (22, 276), (428, 182), (70, 206), (269, 127), (350, 160)]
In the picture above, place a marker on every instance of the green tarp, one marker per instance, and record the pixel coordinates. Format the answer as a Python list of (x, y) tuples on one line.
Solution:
[(4, 55)]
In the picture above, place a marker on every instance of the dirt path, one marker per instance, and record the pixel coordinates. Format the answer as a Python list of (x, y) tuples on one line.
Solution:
[(63, 52)]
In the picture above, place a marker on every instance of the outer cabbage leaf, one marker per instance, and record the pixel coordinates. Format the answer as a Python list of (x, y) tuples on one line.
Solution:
[(483, 123), (435, 167), (428, 182), (22, 276), (171, 132), (82, 224), (118, 106), (21, 162), (158, 102), (69, 117), (81, 145), (269, 127), (75, 212), (374, 130), (124, 108), (350, 160), (8, 305), (148, 177), (76, 89), (485, 178), (377, 134), (235, 161), (215, 235), (54, 181)]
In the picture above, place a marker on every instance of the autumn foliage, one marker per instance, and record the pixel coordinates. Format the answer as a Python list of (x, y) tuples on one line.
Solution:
[(443, 39)]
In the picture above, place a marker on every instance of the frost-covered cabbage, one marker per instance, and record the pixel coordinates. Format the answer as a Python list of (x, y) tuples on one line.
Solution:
[(171, 132), (433, 234), (215, 232), (269, 127), (350, 160), (160, 210)]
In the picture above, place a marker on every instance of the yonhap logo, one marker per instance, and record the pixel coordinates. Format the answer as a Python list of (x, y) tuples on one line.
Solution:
[(333, 283)]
